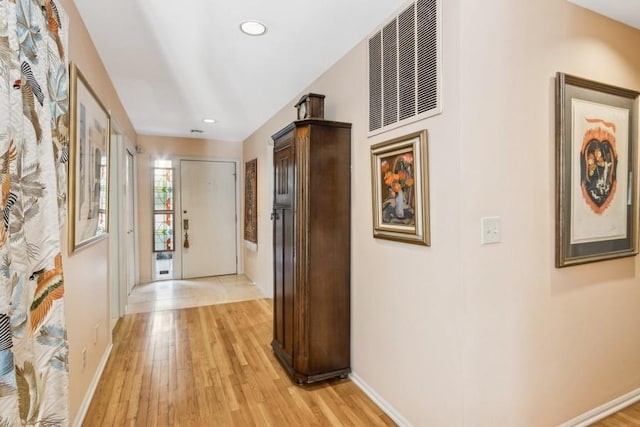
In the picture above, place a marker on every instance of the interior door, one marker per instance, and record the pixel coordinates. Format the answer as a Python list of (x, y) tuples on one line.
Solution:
[(208, 201), (130, 249)]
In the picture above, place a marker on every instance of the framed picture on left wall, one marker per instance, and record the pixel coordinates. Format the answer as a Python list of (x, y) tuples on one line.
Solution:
[(88, 164)]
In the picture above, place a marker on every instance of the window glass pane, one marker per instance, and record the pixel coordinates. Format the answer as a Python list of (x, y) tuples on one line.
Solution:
[(163, 265), (163, 207), (163, 189), (163, 232), (162, 163)]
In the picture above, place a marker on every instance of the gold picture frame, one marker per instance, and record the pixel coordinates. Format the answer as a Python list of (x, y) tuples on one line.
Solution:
[(596, 171), (88, 164), (400, 186)]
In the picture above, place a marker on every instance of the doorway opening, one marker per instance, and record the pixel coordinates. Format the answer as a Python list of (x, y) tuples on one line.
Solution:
[(194, 216), (208, 218), (122, 223)]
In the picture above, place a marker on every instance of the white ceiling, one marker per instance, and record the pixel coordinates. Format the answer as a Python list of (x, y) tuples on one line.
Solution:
[(173, 66), (175, 63), (626, 11)]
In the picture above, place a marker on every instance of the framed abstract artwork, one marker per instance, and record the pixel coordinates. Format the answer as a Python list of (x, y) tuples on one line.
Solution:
[(251, 201), (89, 164), (400, 185), (596, 171)]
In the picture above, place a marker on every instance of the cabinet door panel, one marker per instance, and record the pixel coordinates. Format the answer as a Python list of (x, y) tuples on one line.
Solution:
[(284, 178), (284, 269)]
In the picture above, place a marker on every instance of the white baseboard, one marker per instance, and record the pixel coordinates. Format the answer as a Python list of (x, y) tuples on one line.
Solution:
[(82, 412), (378, 400), (604, 411)]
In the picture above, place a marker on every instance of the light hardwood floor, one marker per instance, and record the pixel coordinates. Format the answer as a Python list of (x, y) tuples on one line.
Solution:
[(213, 366), (629, 416)]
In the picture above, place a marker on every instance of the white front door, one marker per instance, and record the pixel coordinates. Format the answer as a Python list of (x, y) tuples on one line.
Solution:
[(208, 202)]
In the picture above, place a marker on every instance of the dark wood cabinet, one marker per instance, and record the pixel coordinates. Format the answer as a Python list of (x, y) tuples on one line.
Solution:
[(312, 246)]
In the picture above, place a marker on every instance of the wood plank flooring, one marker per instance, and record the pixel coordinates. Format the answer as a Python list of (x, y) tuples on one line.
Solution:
[(213, 366), (629, 416)]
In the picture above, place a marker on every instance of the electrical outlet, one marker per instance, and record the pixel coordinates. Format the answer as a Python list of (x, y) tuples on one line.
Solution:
[(84, 358), (490, 230), (95, 336)]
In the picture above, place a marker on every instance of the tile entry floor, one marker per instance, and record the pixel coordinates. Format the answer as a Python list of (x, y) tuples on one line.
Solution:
[(173, 294)]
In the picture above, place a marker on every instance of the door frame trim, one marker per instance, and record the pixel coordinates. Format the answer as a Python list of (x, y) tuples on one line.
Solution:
[(118, 289), (129, 149), (116, 308)]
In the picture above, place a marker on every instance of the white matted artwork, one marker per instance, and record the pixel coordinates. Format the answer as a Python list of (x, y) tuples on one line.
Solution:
[(600, 133), (89, 164)]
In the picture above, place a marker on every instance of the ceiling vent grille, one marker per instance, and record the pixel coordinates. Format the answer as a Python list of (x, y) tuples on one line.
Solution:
[(404, 67)]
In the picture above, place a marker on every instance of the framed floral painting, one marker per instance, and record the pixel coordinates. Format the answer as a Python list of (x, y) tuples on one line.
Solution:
[(596, 171), (400, 185)]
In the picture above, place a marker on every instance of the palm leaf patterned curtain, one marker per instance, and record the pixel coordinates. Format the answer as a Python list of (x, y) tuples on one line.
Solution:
[(34, 103)]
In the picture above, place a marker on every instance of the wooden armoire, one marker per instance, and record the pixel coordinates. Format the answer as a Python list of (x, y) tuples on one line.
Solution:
[(311, 244)]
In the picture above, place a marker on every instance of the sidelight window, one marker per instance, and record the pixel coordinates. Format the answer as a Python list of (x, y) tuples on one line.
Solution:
[(163, 207), (163, 218)]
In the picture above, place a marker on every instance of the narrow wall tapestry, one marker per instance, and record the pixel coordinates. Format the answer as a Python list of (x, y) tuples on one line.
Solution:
[(596, 212), (33, 156), (251, 201)]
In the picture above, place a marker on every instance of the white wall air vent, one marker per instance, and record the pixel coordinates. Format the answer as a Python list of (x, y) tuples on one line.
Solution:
[(404, 67)]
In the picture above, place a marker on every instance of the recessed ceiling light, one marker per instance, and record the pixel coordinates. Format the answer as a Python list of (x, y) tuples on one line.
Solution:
[(253, 28), (209, 121)]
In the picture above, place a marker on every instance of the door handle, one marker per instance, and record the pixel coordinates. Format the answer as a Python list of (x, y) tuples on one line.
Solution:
[(274, 215)]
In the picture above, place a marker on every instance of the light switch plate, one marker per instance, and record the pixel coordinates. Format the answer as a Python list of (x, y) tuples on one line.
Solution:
[(490, 230)]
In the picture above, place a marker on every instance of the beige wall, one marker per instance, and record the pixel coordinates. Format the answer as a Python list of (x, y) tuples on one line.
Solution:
[(86, 271), (157, 147), (258, 261), (460, 333), (541, 343)]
